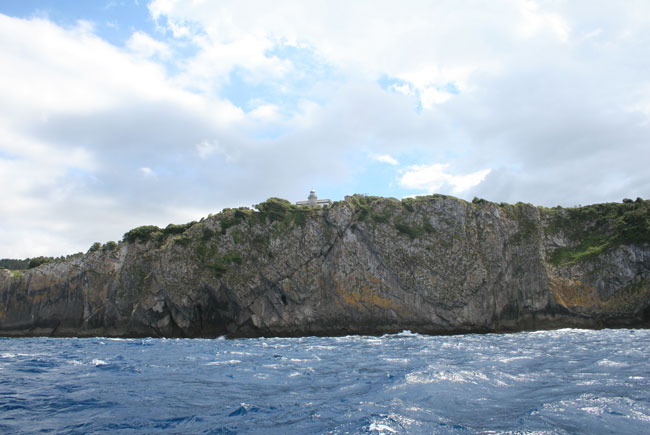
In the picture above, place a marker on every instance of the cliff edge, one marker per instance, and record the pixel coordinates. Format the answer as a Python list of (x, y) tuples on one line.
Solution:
[(366, 265)]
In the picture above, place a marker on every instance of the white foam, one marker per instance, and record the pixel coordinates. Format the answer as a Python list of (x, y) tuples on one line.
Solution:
[(460, 376), (407, 333), (98, 362), (396, 360), (595, 410), (381, 428), (608, 363), (14, 355), (319, 346), (273, 366), (222, 363), (513, 358)]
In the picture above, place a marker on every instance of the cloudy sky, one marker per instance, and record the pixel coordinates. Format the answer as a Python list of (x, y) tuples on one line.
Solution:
[(115, 114)]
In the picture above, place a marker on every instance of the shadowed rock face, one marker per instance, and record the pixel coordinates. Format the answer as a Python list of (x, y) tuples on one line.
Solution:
[(363, 266)]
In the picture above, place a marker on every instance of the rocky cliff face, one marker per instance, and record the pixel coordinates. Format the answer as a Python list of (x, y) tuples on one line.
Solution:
[(370, 265)]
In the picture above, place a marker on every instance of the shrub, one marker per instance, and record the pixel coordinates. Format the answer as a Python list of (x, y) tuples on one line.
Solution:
[(281, 210), (142, 234), (407, 203), (11, 264), (274, 209), (412, 231), (426, 226), (183, 241), (37, 261), (109, 246), (95, 247), (207, 234), (227, 222), (173, 229)]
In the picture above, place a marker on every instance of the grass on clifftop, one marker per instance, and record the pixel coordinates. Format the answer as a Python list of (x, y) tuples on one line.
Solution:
[(600, 227)]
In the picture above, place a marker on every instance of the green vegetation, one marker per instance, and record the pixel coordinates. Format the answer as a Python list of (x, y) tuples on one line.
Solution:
[(146, 233), (173, 229), (597, 228), (210, 260), (142, 234), (11, 264), (232, 257), (231, 217), (227, 222), (383, 218), (207, 234), (367, 207), (384, 210), (95, 247), (407, 203), (109, 246), (526, 227), (281, 210), (274, 209), (183, 241), (31, 263), (414, 231), (37, 261), (427, 227)]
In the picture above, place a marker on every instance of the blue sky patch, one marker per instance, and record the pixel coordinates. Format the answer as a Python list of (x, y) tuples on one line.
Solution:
[(114, 21)]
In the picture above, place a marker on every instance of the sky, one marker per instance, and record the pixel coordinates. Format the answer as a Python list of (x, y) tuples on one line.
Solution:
[(121, 113)]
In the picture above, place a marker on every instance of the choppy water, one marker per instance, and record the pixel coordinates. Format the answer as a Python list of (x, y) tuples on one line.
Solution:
[(563, 381)]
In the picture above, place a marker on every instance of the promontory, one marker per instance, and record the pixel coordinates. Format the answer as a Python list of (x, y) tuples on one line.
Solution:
[(366, 265)]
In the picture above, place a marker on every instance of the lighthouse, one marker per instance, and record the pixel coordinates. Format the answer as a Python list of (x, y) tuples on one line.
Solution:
[(313, 201)]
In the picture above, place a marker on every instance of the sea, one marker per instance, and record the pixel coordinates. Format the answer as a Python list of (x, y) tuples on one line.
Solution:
[(550, 382)]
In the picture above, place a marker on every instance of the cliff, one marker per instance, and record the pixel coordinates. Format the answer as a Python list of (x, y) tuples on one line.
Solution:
[(366, 265)]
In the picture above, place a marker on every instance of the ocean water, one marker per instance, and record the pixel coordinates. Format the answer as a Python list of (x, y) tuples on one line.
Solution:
[(566, 381)]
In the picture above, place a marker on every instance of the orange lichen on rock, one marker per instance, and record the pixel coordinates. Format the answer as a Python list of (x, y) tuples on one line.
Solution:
[(574, 294), (364, 297)]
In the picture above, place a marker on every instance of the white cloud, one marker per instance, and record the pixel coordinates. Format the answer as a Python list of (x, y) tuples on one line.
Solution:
[(207, 148), (384, 158), (146, 46), (265, 112), (430, 96), (427, 45), (147, 172), (435, 177), (535, 19)]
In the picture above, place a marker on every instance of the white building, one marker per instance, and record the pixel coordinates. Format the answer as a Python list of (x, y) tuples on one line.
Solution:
[(313, 200)]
